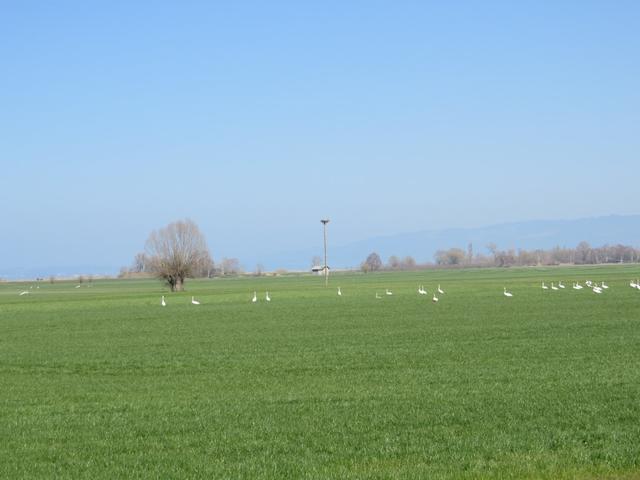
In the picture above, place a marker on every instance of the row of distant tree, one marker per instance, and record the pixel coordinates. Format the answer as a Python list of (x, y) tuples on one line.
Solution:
[(179, 251), (582, 254), (373, 263), (204, 268)]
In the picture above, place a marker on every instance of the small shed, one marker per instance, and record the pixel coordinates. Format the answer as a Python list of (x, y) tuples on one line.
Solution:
[(319, 269)]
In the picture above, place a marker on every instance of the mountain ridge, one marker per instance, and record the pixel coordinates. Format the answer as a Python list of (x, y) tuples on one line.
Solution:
[(421, 245), (528, 235)]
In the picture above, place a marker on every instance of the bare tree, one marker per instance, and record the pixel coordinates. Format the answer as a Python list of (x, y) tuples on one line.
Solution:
[(139, 263), (206, 267), (526, 258), (176, 252), (316, 261), (393, 263), (259, 271), (583, 253), (372, 263), (505, 258), (493, 249), (453, 256), (230, 266), (408, 263)]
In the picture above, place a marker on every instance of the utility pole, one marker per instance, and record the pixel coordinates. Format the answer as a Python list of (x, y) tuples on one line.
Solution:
[(326, 268)]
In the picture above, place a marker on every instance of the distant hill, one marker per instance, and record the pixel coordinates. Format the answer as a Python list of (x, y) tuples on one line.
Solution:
[(528, 235)]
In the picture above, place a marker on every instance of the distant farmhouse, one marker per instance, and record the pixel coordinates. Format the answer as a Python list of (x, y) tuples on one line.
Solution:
[(319, 269)]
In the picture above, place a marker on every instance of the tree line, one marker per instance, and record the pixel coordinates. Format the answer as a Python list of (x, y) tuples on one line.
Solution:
[(205, 268), (373, 263), (177, 252), (582, 254)]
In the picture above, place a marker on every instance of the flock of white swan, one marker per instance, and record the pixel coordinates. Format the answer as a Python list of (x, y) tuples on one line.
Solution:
[(588, 284), (598, 289), (576, 286)]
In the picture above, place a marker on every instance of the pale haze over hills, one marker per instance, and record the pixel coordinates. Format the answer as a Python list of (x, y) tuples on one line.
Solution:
[(421, 245)]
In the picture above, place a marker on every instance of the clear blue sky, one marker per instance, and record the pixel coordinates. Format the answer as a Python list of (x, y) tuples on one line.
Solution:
[(256, 119)]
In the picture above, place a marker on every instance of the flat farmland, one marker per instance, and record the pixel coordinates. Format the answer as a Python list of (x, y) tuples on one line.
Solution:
[(104, 382)]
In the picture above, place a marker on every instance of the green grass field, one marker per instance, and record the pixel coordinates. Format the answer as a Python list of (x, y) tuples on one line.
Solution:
[(103, 382)]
